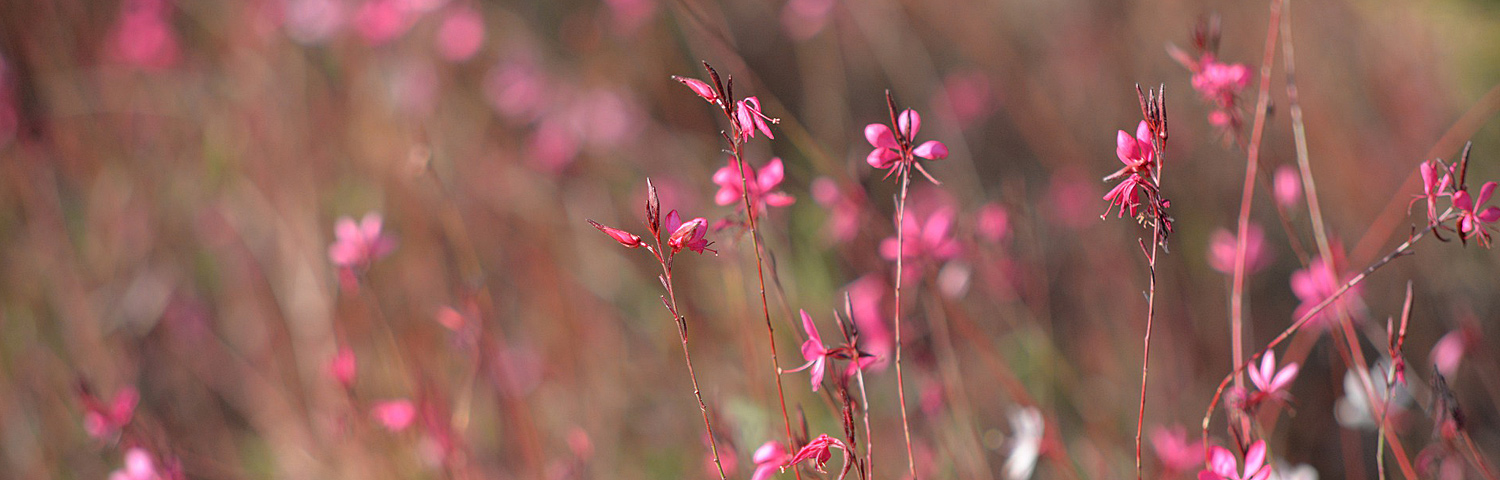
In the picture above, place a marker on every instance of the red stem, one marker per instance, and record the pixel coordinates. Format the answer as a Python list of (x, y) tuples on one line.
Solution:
[(911, 460)]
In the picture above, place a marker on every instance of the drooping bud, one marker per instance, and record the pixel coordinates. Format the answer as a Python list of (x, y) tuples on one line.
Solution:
[(703, 89), (629, 240), (685, 234), (653, 209)]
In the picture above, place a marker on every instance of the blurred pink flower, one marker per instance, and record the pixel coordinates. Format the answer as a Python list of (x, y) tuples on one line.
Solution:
[(552, 146), (358, 245), (895, 154), (761, 185), (461, 34), (1316, 283), (802, 19), (342, 367), (1138, 153), (1286, 187), (1472, 221), (143, 35), (1219, 81), (394, 415), (1222, 244), (1449, 350), (818, 450), (517, 89), (748, 118), (311, 22), (866, 297), (104, 420), (844, 206), (929, 239), (629, 15), (968, 95), (1268, 379), (769, 459), (1177, 455), (380, 21), (1222, 465), (994, 222), (138, 466)]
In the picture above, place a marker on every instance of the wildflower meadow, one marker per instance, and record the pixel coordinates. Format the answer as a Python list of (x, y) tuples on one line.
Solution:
[(784, 239)]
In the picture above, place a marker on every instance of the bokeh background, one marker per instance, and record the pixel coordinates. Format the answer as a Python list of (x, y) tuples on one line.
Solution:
[(171, 174)]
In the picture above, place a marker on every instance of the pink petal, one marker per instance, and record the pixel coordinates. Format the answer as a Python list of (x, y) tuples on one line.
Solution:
[(1448, 352), (727, 195), (938, 225), (673, 221), (1255, 458), (725, 176), (764, 472), (909, 122), (1126, 147), (889, 248), (769, 452), (1284, 377), (1256, 377), (812, 331), (1485, 192), (370, 226), (394, 415), (880, 136), (1489, 215), (818, 368), (1143, 134), (771, 174), (138, 464), (931, 150), (779, 199), (882, 158), (1222, 462), (345, 229), (1286, 187), (1462, 201)]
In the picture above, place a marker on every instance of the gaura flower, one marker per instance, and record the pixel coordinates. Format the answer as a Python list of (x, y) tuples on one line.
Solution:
[(818, 450), (1222, 464), (769, 459), (761, 184), (1268, 379), (897, 154), (748, 119), (690, 235), (1472, 222), (357, 245)]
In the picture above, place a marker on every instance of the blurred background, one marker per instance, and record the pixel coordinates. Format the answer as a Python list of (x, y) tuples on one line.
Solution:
[(173, 176)]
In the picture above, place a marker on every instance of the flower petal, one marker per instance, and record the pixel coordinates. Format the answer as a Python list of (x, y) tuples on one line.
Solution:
[(879, 136), (1284, 377), (909, 122), (1485, 192), (931, 150), (771, 175), (1126, 147), (882, 158), (1255, 458)]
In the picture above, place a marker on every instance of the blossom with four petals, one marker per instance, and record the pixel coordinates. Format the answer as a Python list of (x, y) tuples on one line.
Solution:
[(898, 153), (1222, 465)]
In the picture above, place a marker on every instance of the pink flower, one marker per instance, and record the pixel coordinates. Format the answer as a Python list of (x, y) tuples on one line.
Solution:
[(897, 154), (343, 366), (761, 185), (802, 19), (818, 450), (1313, 285), (394, 415), (813, 351), (994, 222), (143, 35), (969, 95), (1177, 455), (359, 245), (461, 34), (843, 205), (1286, 187), (1222, 244), (1138, 153), (1448, 352), (748, 119), (1222, 464), (1219, 81), (1268, 379), (933, 240), (688, 235), (769, 459), (380, 21), (1437, 181), (138, 466), (1471, 220), (103, 421)]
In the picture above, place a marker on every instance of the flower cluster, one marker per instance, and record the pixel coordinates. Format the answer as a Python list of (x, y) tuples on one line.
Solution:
[(690, 235), (761, 185), (1139, 190), (1474, 220), (745, 116), (1217, 82)]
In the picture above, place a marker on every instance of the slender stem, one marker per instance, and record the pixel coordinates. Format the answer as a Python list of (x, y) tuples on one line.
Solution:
[(1299, 134), (1146, 349), (911, 460), (1252, 163), (666, 270), (736, 147)]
